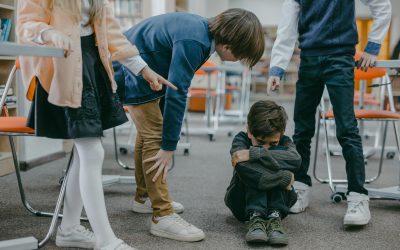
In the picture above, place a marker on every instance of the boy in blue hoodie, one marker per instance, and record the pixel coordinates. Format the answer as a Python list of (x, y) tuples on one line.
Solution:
[(327, 35), (175, 45)]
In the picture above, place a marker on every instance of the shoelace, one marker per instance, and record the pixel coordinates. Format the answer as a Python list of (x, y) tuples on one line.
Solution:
[(85, 232), (274, 225), (181, 221), (257, 223), (353, 206)]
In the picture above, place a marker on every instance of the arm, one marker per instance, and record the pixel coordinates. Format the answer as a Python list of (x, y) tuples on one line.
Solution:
[(258, 177), (283, 156), (118, 46), (256, 174), (33, 18), (240, 142), (286, 154), (127, 54), (187, 57), (381, 11), (287, 35)]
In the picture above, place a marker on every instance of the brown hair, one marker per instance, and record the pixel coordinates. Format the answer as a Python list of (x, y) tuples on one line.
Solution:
[(242, 31), (266, 118)]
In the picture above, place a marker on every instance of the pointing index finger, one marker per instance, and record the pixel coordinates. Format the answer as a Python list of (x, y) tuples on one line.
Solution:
[(168, 83)]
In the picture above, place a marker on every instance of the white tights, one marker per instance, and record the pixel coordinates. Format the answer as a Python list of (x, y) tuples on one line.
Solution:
[(85, 189)]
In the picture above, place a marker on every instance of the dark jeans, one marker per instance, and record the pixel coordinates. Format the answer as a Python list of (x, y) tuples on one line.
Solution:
[(336, 72), (241, 199)]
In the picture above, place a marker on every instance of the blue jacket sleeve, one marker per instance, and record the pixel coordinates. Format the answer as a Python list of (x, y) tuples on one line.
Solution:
[(187, 57)]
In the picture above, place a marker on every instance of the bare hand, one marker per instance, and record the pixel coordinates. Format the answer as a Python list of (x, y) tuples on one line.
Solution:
[(163, 159), (366, 61), (240, 156), (59, 40), (155, 80), (273, 84), (289, 187)]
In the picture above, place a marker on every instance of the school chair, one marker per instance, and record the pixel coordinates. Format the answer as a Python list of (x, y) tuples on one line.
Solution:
[(15, 126), (362, 115)]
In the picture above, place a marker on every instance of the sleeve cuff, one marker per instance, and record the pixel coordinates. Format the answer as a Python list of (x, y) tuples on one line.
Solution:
[(254, 153), (286, 178), (276, 71), (39, 38), (372, 48), (134, 64), (169, 145)]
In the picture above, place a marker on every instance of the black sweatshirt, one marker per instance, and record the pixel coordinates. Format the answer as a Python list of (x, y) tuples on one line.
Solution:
[(266, 168)]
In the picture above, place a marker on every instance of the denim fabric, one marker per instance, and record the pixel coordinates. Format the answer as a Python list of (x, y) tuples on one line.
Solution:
[(336, 72)]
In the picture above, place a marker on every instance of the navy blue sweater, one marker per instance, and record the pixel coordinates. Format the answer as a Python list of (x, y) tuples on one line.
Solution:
[(327, 27), (174, 45)]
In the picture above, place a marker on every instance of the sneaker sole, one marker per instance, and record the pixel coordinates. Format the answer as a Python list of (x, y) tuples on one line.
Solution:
[(256, 239), (356, 223), (168, 235), (62, 243), (142, 210), (278, 241), (296, 211)]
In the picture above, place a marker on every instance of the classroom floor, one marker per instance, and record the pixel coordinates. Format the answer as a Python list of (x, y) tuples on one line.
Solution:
[(199, 181)]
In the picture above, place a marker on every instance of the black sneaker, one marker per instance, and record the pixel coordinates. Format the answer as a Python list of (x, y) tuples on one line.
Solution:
[(256, 230), (276, 234)]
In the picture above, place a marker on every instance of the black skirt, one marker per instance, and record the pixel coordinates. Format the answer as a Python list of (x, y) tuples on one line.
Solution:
[(101, 109)]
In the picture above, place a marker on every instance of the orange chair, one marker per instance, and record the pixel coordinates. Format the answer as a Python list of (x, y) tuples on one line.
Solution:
[(198, 97), (362, 115), (16, 126), (363, 77)]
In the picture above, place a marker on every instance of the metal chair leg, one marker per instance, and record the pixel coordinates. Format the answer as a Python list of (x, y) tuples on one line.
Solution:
[(398, 147), (58, 205), (120, 163), (382, 153), (21, 187), (320, 180), (316, 151)]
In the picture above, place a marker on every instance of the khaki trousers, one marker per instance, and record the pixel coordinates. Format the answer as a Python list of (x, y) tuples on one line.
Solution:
[(149, 122)]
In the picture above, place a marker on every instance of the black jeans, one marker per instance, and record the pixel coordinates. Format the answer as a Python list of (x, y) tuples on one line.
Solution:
[(337, 73), (242, 199)]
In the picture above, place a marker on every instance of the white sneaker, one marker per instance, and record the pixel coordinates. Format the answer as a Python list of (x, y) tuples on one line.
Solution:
[(357, 210), (117, 245), (77, 236), (174, 227), (303, 191), (146, 208)]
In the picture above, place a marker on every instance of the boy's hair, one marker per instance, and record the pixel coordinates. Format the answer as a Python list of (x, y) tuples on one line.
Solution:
[(266, 118), (242, 31)]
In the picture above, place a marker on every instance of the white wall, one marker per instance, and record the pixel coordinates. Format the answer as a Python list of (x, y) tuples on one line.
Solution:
[(207, 8), (269, 12)]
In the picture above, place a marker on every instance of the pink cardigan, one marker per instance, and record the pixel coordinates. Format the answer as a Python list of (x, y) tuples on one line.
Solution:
[(62, 77)]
